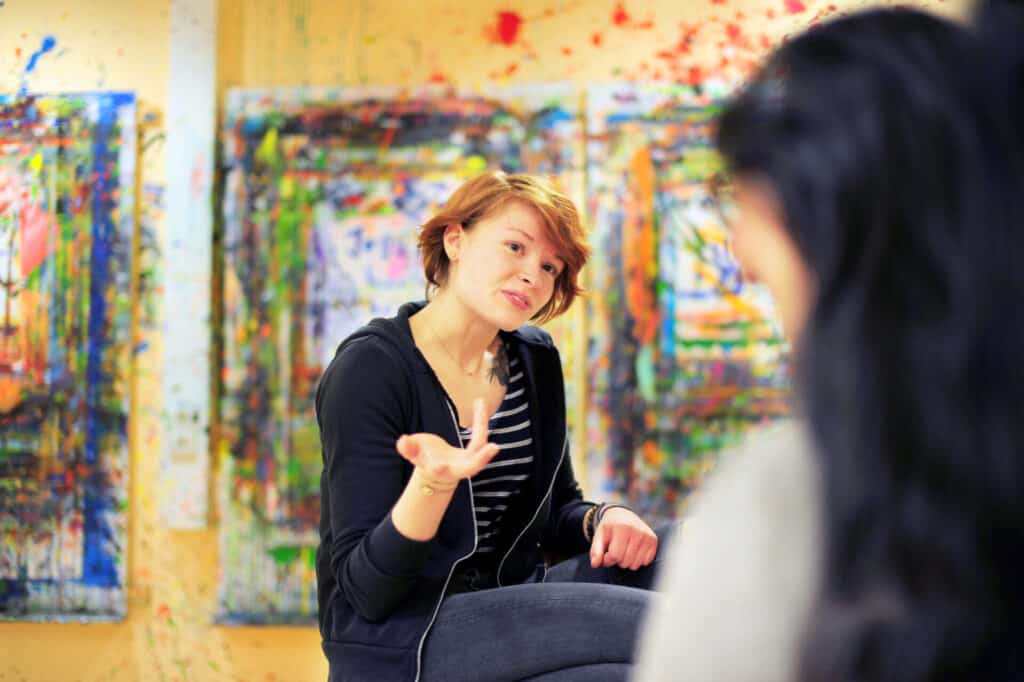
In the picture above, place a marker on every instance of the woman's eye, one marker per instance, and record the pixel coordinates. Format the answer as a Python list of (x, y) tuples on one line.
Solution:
[(551, 269), (515, 247)]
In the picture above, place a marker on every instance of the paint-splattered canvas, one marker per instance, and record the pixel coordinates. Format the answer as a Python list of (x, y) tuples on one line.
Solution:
[(324, 194), (683, 354), (67, 179)]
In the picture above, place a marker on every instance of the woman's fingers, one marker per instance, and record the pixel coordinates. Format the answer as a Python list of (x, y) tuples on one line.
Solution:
[(639, 556), (616, 548), (409, 449), (479, 436), (426, 451), (481, 457), (598, 547), (479, 452), (435, 455), (629, 552)]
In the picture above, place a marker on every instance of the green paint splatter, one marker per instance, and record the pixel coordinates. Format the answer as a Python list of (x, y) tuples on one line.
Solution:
[(283, 556), (267, 152)]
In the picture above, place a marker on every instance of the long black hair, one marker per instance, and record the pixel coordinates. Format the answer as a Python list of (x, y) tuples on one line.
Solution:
[(892, 139)]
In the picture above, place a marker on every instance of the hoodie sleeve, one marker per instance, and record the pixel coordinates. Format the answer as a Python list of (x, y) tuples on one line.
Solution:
[(363, 405), (564, 530)]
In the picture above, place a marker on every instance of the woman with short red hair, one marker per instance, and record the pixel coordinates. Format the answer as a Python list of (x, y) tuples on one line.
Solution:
[(432, 558)]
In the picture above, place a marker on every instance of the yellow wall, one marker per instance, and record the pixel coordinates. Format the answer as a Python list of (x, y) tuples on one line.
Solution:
[(124, 44)]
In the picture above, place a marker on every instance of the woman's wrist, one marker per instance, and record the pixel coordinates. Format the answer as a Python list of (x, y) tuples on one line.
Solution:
[(603, 508), (429, 486), (588, 524), (418, 512), (592, 519)]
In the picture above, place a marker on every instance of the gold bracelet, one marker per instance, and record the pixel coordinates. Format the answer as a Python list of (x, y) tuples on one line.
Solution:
[(430, 488), (588, 524)]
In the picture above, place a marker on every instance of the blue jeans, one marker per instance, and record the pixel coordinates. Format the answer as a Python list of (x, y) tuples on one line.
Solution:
[(580, 623)]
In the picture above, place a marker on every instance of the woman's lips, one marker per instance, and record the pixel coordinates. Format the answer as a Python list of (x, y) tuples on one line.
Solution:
[(518, 300)]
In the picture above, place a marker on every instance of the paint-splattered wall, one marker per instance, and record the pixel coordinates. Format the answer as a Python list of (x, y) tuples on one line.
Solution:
[(76, 45)]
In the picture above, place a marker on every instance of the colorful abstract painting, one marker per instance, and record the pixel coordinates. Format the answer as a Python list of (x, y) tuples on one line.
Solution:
[(324, 194), (683, 354), (67, 182)]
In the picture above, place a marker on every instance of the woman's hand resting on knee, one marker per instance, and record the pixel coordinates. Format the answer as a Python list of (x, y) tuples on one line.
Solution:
[(623, 539)]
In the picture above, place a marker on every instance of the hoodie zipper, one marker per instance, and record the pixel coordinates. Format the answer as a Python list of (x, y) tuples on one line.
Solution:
[(451, 572), (551, 486)]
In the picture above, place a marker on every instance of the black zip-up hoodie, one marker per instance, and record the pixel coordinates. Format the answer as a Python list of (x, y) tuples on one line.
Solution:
[(378, 591)]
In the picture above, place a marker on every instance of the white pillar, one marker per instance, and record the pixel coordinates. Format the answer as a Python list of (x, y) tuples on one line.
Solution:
[(186, 258)]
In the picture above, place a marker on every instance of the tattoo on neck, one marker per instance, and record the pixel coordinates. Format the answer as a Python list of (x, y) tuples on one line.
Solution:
[(499, 368)]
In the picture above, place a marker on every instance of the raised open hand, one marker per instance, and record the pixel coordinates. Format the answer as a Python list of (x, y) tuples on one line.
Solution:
[(446, 464)]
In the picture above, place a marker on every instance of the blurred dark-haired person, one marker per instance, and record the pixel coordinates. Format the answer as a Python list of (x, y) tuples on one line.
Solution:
[(876, 187)]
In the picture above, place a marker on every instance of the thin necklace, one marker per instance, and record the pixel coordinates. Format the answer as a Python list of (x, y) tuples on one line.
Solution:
[(465, 371)]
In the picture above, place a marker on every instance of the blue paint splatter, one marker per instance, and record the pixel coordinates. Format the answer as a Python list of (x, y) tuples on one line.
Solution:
[(49, 42)]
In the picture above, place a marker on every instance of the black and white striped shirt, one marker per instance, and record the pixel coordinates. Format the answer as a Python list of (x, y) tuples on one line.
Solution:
[(505, 476)]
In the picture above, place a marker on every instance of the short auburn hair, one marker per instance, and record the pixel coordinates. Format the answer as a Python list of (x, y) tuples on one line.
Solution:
[(485, 194)]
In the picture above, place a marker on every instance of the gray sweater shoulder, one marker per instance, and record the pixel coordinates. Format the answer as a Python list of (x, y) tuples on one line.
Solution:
[(739, 581)]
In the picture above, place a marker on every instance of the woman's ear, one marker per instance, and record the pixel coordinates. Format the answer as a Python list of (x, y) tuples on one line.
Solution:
[(454, 237)]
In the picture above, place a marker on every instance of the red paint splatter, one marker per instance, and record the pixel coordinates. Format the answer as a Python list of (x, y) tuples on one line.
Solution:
[(198, 176), (645, 25), (694, 75), (717, 2), (795, 6), (766, 42), (687, 38), (620, 17), (567, 51), (506, 28), (17, 52), (596, 39), (511, 69), (831, 9), (736, 37), (438, 77), (770, 14)]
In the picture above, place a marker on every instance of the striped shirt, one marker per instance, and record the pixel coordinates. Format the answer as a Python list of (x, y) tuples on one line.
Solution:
[(506, 475)]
